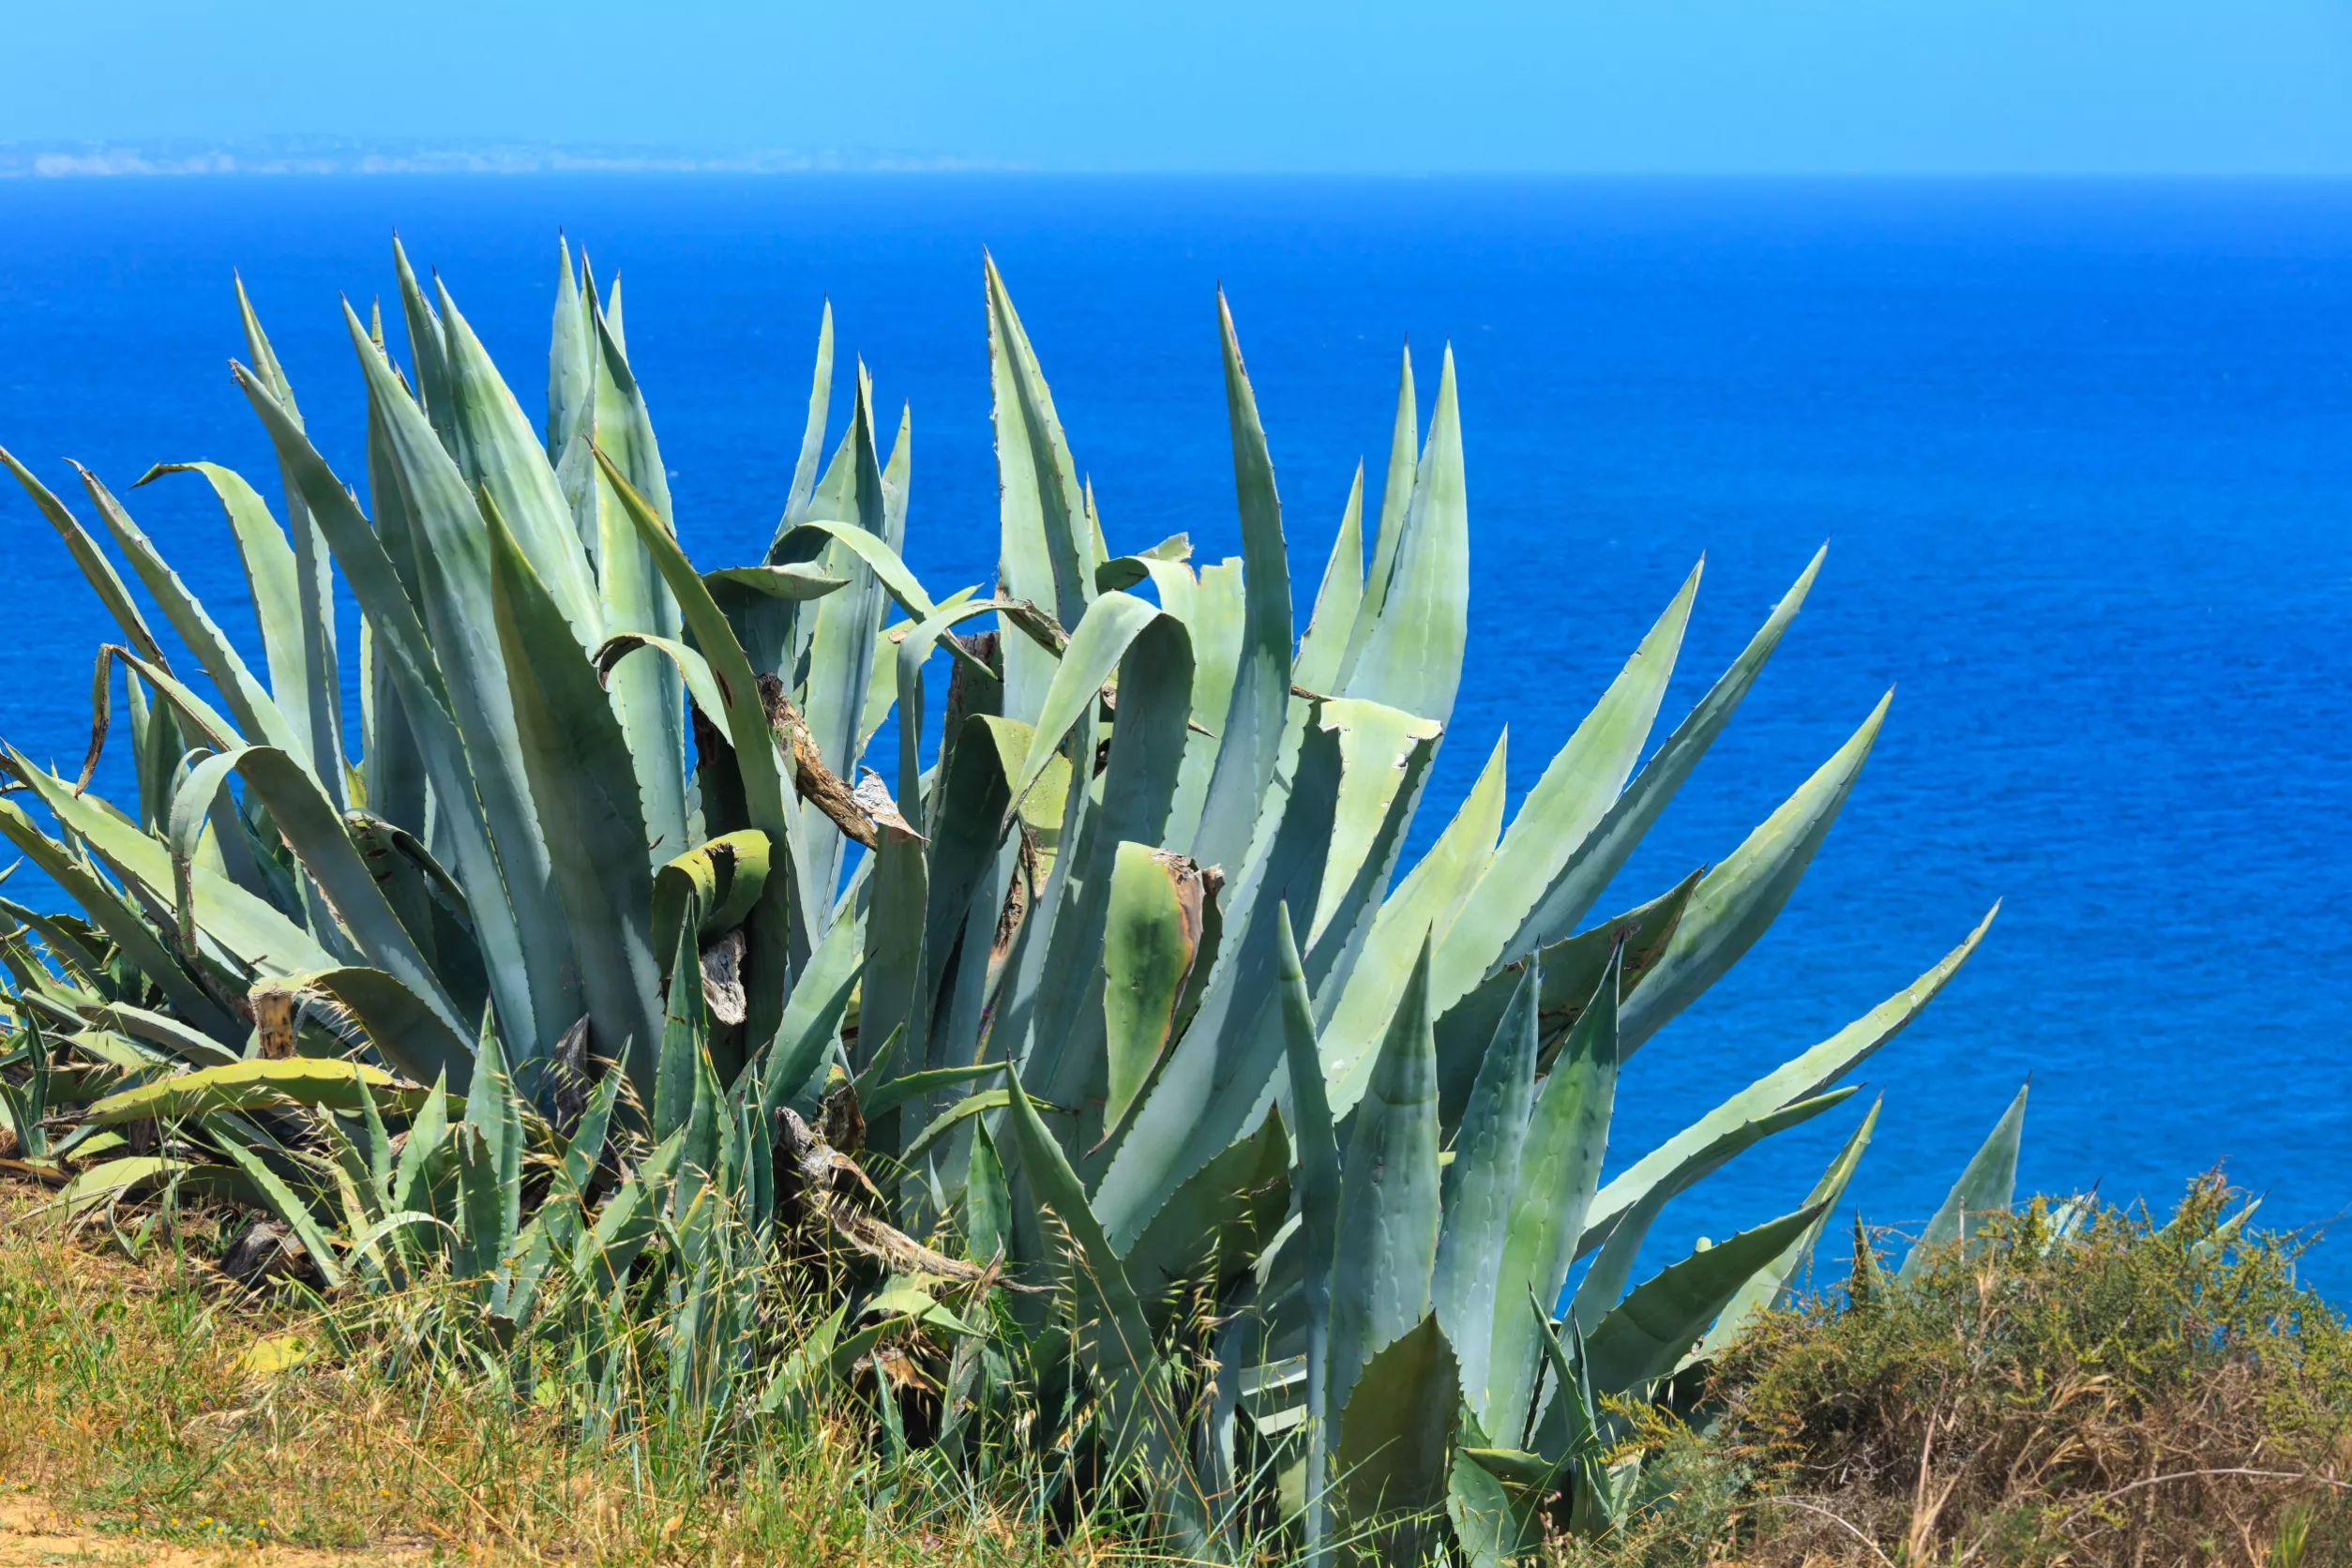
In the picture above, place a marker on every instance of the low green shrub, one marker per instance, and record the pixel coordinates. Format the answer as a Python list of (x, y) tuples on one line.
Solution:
[(2131, 1392)]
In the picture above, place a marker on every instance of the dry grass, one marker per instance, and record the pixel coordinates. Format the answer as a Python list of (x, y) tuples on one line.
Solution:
[(133, 1420), (33, 1534)]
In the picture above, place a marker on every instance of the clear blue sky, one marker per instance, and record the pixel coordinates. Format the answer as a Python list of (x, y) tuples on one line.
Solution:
[(1725, 86)]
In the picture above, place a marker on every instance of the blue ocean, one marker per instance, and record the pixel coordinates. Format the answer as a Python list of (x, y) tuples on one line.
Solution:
[(2082, 454)]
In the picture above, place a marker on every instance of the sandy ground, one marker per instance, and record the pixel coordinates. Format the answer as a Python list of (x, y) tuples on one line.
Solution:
[(33, 1534)]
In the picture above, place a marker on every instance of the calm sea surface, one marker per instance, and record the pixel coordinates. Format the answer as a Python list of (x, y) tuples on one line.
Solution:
[(2082, 455)]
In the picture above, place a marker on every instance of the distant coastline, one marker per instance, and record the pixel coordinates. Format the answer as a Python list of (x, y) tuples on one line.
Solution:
[(298, 156)]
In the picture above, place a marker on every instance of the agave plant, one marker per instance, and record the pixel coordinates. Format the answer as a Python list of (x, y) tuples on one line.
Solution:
[(281, 938), (1399, 1336), (1123, 997)]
